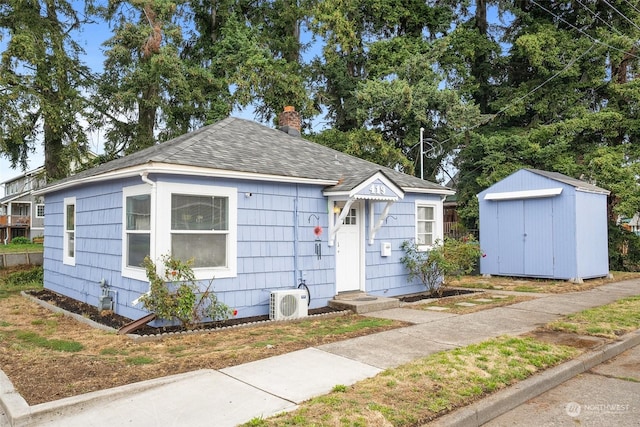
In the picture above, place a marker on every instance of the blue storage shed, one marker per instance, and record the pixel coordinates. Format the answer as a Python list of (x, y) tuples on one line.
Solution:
[(544, 224)]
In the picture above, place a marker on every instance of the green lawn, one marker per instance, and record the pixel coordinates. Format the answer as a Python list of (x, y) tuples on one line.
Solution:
[(20, 248)]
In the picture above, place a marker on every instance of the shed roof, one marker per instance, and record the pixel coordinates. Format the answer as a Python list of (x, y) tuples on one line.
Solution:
[(576, 183), (244, 146)]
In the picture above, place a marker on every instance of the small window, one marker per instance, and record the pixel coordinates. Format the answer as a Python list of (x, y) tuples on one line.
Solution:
[(69, 243), (425, 226), (200, 229), (39, 211), (351, 217), (138, 229)]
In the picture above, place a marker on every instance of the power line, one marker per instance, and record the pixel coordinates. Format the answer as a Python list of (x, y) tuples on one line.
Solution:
[(582, 32), (597, 16), (621, 14), (505, 108), (632, 6)]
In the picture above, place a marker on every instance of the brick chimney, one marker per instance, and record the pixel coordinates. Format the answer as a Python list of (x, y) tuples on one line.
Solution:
[(289, 121)]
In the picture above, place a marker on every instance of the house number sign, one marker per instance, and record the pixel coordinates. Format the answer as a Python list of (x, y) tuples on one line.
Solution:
[(377, 189)]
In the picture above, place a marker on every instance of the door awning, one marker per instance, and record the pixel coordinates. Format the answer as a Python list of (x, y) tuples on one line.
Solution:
[(524, 194), (378, 188)]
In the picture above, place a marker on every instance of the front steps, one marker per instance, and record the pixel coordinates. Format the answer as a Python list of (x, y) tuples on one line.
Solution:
[(360, 302)]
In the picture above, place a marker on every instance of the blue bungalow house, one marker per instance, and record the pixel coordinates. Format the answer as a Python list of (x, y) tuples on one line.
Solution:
[(258, 209), (543, 224)]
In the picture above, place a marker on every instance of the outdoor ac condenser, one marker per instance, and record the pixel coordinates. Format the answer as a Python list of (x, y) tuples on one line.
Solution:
[(288, 304)]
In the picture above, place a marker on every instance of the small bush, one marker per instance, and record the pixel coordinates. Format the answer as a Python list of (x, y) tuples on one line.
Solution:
[(20, 241), (176, 294), (445, 260), (27, 277)]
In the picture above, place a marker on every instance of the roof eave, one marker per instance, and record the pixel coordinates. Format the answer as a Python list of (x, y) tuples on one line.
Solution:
[(172, 169)]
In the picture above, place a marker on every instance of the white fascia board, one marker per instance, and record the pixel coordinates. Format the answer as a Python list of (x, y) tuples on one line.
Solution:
[(162, 168), (524, 194), (444, 191), (586, 190)]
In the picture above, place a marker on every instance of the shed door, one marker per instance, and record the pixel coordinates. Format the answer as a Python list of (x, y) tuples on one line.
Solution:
[(526, 237)]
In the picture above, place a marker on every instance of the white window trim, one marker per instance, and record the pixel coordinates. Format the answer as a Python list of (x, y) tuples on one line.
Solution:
[(138, 273), (438, 229), (66, 259), (163, 224), (37, 206)]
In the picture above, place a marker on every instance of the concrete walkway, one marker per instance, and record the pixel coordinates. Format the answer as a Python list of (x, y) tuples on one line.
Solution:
[(266, 387)]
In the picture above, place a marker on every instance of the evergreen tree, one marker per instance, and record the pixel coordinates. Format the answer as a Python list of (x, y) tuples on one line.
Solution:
[(42, 84)]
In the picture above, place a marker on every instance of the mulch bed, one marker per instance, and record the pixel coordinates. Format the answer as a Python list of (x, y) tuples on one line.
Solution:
[(117, 321), (445, 293)]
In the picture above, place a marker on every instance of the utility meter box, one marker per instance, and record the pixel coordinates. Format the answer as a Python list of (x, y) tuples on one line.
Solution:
[(385, 249)]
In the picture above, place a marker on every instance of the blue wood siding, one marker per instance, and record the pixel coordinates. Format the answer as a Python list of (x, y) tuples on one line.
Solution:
[(563, 236), (276, 245), (592, 235), (386, 276)]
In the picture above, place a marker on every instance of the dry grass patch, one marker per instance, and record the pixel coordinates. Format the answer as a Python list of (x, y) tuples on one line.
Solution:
[(450, 303), (537, 285), (420, 391), (49, 356), (609, 321)]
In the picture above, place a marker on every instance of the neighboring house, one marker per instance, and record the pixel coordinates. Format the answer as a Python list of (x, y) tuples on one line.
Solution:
[(22, 213), (631, 224), (543, 224), (258, 209)]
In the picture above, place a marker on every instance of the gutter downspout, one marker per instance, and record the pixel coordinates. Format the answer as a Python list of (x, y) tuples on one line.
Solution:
[(296, 278), (145, 178)]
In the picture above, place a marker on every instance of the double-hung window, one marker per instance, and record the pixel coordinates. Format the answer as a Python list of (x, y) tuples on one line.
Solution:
[(39, 211), (137, 224), (426, 225), (68, 244)]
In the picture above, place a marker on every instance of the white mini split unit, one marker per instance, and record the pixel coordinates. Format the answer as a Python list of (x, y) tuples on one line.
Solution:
[(288, 304)]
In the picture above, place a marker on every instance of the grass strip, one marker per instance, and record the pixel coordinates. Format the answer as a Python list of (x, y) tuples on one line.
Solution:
[(427, 388), (36, 340), (610, 321), (21, 247)]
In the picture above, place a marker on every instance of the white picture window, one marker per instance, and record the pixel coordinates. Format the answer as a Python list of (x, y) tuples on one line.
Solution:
[(69, 243), (428, 225), (39, 211), (200, 229), (200, 224)]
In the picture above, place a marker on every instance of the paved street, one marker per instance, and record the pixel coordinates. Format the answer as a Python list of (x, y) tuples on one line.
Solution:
[(608, 395)]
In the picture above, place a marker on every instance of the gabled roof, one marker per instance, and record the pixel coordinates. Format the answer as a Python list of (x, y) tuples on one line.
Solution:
[(251, 150), (576, 183)]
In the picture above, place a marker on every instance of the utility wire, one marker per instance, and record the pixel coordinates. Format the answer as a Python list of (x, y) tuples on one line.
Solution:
[(520, 98), (582, 32), (632, 6), (621, 14), (597, 16)]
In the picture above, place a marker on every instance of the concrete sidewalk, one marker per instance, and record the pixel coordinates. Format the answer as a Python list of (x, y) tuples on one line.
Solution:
[(266, 387)]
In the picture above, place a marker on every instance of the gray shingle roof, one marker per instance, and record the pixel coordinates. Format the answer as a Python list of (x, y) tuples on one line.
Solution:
[(235, 144), (582, 185)]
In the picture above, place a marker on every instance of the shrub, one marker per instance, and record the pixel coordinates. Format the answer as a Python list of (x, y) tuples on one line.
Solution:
[(624, 249), (445, 260), (27, 277), (20, 241), (176, 294)]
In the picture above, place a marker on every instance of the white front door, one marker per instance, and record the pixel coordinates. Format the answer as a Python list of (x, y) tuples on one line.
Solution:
[(348, 252)]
